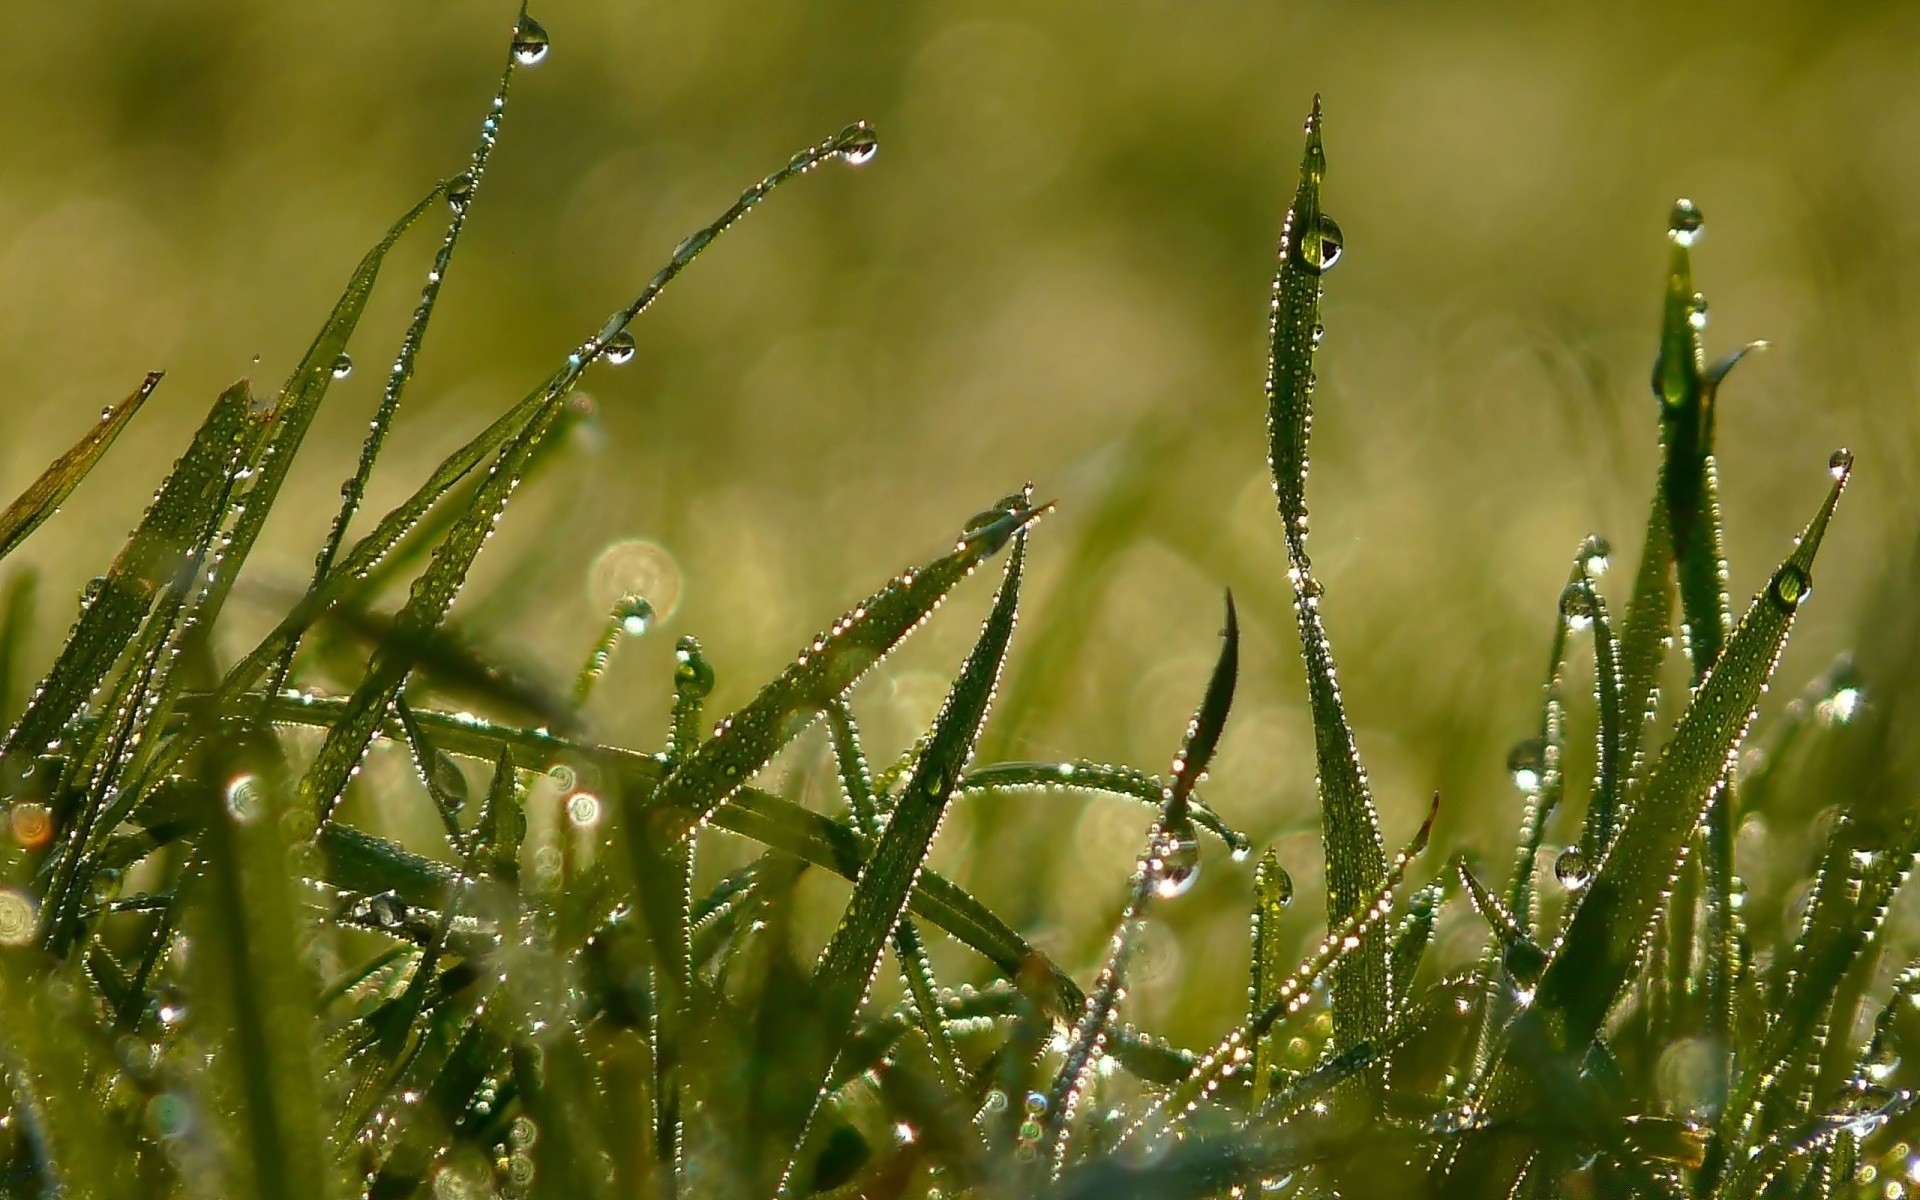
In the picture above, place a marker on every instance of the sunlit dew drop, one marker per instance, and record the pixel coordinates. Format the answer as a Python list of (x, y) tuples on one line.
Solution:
[(1576, 607), (1316, 251), (619, 349), (1527, 762), (858, 144), (1790, 586), (1571, 869), (1176, 861), (530, 43), (460, 191), (692, 674), (1697, 311), (343, 366), (1686, 223), (1840, 463), (1597, 555), (18, 918), (583, 810), (634, 614)]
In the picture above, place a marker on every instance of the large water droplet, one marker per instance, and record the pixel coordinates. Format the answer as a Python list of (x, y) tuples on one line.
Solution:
[(1596, 556), (1576, 606), (1175, 860), (858, 144), (1527, 762), (634, 614), (619, 349), (692, 675), (1790, 587), (1316, 251), (1686, 222), (530, 42), (1571, 869), (460, 191), (342, 366), (1697, 311), (1840, 463), (1282, 884)]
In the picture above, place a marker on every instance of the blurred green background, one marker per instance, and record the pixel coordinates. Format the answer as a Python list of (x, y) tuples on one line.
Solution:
[(1056, 269)]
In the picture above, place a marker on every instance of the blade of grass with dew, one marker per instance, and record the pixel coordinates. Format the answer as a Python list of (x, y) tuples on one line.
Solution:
[(1272, 893), (881, 894), (252, 993), (43, 496), (1231, 1054), (178, 519), (856, 784), (1350, 829), (1165, 869), (1108, 779), (1519, 955), (831, 664), (1610, 761), (460, 193), (436, 771), (433, 591), (1609, 928), (1413, 936)]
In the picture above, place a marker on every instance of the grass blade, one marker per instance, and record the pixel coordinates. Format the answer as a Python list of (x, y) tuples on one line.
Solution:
[(1109, 779), (1272, 892), (43, 496), (881, 893), (16, 626), (1350, 829)]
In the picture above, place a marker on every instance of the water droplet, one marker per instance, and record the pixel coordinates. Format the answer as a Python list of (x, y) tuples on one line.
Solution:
[(1840, 463), (343, 366), (619, 349), (530, 42), (990, 527), (32, 823), (583, 810), (1571, 869), (1697, 311), (1316, 251), (857, 144), (460, 191), (1685, 224), (387, 910), (634, 614), (1282, 884), (19, 918), (1036, 1103), (1241, 852), (1175, 860), (1790, 587), (1596, 555), (1319, 331), (1576, 606), (692, 675), (1527, 762)]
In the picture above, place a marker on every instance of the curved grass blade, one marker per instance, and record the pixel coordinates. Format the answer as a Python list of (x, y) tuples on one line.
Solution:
[(1110, 779), (1608, 931), (434, 590), (882, 891), (1350, 829), (832, 663), (43, 496), (1165, 869), (183, 516)]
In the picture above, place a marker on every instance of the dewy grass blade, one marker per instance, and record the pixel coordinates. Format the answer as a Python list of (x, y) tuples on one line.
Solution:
[(1165, 869), (181, 517), (1109, 779), (880, 895), (1350, 829), (1608, 931), (832, 663), (434, 590), (1272, 892), (43, 496)]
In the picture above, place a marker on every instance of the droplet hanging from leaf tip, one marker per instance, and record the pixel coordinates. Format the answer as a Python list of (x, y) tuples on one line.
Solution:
[(692, 674), (530, 42), (619, 349), (635, 615), (857, 144), (1317, 250), (1685, 224), (1174, 860), (1840, 463), (1576, 606), (1526, 762)]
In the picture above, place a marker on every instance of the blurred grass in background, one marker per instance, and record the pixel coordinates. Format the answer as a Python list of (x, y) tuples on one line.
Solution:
[(1056, 269)]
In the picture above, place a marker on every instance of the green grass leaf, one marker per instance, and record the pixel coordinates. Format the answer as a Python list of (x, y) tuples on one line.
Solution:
[(42, 498), (1350, 829)]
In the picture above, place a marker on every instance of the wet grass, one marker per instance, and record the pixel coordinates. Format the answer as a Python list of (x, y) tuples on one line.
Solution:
[(214, 982)]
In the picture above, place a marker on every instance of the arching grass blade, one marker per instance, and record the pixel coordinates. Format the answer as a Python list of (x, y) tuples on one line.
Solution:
[(43, 496)]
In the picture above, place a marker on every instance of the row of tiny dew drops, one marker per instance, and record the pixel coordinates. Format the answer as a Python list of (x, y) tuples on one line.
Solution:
[(856, 145)]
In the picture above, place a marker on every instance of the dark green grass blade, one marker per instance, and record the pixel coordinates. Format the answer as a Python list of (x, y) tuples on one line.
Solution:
[(1414, 935), (1608, 931), (253, 997), (181, 517), (1643, 637), (1129, 783), (1610, 762), (1350, 829), (16, 626), (832, 663), (881, 893), (434, 590), (43, 496), (1165, 869)]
